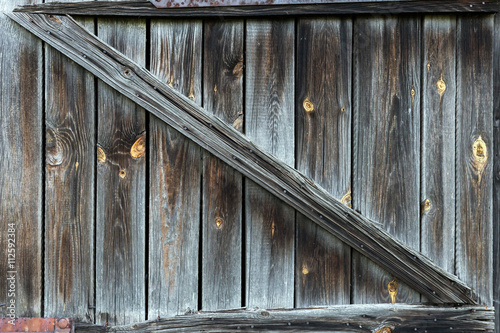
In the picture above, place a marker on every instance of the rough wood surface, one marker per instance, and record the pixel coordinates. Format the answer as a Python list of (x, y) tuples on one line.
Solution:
[(381, 318), (474, 147), (269, 122), (69, 186), (222, 185), (236, 150), (21, 125), (386, 143), (145, 8), (174, 176), (496, 173), (120, 228), (323, 147), (437, 199)]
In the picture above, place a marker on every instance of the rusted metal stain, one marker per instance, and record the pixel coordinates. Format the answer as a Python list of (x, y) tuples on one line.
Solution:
[(393, 287), (37, 325), (224, 3)]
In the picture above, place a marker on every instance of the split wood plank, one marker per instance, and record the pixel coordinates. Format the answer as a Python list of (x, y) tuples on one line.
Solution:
[(145, 8), (69, 186), (380, 318), (438, 141), (269, 120), (21, 121), (474, 161), (386, 143), (236, 150), (323, 113), (222, 185), (121, 189), (496, 173), (175, 176)]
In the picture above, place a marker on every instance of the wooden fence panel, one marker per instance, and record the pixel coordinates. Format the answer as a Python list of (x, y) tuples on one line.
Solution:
[(175, 176), (270, 124), (121, 192), (438, 140), (386, 143), (21, 124), (69, 186), (323, 146), (496, 173), (474, 163), (222, 185)]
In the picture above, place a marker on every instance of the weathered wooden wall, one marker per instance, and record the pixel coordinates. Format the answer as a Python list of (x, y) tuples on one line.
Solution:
[(120, 218)]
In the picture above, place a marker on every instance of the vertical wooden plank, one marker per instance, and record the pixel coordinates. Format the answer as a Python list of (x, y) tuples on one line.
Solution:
[(270, 123), (175, 176), (438, 141), (21, 165), (120, 252), (474, 164), (69, 186), (222, 185), (386, 142), (323, 102), (496, 174)]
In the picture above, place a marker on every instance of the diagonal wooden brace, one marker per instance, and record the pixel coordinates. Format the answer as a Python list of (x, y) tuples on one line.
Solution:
[(299, 191)]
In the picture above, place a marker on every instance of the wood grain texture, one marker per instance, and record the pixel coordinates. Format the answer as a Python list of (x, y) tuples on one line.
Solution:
[(269, 119), (21, 164), (145, 9), (351, 318), (121, 191), (496, 174), (386, 142), (69, 186), (437, 181), (175, 176), (474, 144), (323, 148), (223, 141), (222, 185)]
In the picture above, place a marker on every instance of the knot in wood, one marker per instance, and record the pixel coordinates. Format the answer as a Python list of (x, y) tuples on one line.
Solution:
[(346, 199), (139, 147), (393, 287), (427, 205), (122, 173), (441, 86), (384, 330), (308, 105), (218, 222), (101, 155)]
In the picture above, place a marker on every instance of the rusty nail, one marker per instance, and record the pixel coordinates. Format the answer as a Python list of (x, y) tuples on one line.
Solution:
[(63, 323)]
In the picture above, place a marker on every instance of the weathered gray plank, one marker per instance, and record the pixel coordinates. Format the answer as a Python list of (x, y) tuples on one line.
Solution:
[(69, 186), (386, 142), (20, 166), (222, 185), (474, 164), (437, 181), (269, 122), (236, 150), (120, 229), (380, 318), (323, 102), (496, 173), (175, 176), (144, 8)]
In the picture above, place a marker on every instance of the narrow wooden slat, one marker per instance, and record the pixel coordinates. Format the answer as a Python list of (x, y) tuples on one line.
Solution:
[(380, 318), (386, 143), (21, 167), (69, 185), (236, 150), (438, 141), (323, 109), (175, 176), (474, 147), (269, 123), (496, 173), (120, 229), (222, 185), (144, 8)]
